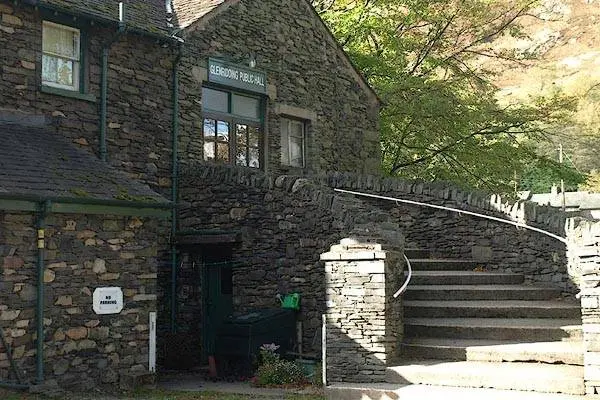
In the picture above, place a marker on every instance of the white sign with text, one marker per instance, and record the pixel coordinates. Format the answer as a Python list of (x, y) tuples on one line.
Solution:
[(108, 300)]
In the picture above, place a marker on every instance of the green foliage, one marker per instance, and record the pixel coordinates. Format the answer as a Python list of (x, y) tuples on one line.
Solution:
[(540, 175), (441, 118), (275, 371)]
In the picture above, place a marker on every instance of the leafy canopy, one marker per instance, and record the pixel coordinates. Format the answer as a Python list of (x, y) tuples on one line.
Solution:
[(430, 60)]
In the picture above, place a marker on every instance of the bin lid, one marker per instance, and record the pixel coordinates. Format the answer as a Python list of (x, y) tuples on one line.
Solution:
[(255, 316)]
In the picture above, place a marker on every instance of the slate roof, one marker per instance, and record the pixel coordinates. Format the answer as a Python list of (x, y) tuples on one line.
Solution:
[(143, 15), (189, 11), (39, 162)]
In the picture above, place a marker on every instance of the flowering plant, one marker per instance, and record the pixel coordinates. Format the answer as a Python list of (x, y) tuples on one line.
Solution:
[(274, 371)]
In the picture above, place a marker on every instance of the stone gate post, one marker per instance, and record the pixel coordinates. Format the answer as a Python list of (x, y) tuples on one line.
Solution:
[(362, 318)]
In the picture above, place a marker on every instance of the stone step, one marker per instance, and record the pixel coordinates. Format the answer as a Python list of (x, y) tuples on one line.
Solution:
[(492, 309), (393, 391), (480, 292), (431, 264), (412, 252), (549, 378), (464, 278), (564, 352), (521, 329)]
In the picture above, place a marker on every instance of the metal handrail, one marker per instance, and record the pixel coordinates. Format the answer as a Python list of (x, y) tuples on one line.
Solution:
[(418, 203), (407, 281)]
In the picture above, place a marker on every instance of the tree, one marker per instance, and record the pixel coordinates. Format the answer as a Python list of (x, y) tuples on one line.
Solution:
[(442, 119)]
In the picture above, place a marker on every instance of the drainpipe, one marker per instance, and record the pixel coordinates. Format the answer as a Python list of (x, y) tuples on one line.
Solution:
[(174, 186), (17, 386), (104, 82), (39, 315)]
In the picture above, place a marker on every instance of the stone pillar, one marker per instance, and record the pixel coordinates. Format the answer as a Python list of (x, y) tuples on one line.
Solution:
[(590, 318), (362, 320), (584, 266)]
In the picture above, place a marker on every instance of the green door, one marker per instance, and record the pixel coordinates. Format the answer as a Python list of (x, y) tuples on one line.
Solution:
[(218, 292)]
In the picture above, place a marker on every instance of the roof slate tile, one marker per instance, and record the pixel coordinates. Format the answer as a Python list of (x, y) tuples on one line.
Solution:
[(36, 161)]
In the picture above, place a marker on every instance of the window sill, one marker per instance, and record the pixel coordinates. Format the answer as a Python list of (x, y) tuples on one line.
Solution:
[(68, 93)]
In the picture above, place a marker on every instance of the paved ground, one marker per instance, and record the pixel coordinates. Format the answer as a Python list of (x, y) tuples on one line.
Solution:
[(198, 383), (412, 392)]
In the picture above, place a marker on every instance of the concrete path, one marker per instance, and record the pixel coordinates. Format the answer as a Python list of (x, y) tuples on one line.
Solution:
[(198, 383), (412, 392)]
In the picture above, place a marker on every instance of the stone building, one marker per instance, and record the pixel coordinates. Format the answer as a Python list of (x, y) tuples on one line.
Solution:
[(105, 110)]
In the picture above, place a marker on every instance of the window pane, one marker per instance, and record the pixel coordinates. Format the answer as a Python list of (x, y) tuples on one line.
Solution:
[(64, 72), (296, 129), (253, 136), (223, 152), (241, 135), (223, 131), (296, 152), (285, 157), (209, 128), (215, 100), (49, 68), (240, 157), (245, 106), (60, 41), (253, 160), (209, 151)]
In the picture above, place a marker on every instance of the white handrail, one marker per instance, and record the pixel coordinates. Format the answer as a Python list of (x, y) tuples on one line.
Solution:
[(403, 288), (417, 203)]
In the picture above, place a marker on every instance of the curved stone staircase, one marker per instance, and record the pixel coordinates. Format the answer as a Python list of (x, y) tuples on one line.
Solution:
[(464, 327)]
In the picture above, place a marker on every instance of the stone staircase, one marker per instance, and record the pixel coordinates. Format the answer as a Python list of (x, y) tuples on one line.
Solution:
[(465, 327)]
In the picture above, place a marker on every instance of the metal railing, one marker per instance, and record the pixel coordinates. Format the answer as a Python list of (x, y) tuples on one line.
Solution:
[(407, 281), (474, 214)]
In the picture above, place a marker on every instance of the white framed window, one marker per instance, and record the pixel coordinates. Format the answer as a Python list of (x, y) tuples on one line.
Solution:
[(293, 142), (61, 56)]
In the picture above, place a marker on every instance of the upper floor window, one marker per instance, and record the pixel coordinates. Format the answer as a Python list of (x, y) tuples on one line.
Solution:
[(293, 143), (61, 56), (232, 127)]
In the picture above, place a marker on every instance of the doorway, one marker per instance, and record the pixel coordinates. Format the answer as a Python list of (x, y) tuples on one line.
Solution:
[(217, 277)]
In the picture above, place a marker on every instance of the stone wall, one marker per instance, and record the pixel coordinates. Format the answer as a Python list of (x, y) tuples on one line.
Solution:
[(83, 252), (284, 224), (139, 92), (542, 259), (584, 259), (307, 76), (363, 319)]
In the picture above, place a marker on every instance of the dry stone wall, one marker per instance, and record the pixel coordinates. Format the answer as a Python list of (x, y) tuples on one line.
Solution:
[(498, 246), (83, 252), (284, 223), (584, 259), (363, 325)]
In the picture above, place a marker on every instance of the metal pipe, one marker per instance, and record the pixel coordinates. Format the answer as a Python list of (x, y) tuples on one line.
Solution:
[(174, 188), (104, 83), (85, 201), (12, 385), (39, 314)]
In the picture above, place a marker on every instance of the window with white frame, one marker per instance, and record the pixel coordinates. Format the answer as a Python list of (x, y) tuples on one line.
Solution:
[(293, 142), (61, 56)]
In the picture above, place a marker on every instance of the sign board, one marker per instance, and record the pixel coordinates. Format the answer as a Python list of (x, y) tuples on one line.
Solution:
[(236, 76), (108, 300)]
